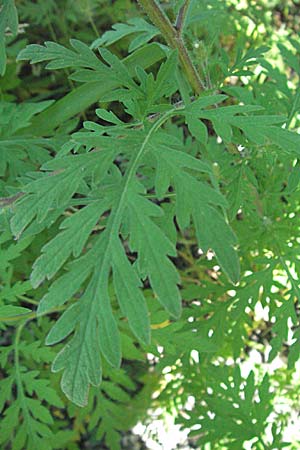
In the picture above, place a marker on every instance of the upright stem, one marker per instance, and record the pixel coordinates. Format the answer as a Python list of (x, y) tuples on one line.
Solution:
[(173, 39)]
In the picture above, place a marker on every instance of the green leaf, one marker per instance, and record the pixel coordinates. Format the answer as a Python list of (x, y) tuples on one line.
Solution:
[(195, 198), (72, 240), (294, 179), (8, 20), (80, 359), (64, 326), (197, 128), (145, 32), (21, 153), (213, 232), (202, 102), (164, 84), (8, 311), (55, 189), (130, 297), (109, 338), (62, 289), (82, 97), (153, 249), (43, 194), (61, 57)]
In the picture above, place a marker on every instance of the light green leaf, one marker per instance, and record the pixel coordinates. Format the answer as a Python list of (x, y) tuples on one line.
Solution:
[(197, 128), (145, 32), (8, 311), (153, 249), (61, 57), (80, 358), (72, 240), (130, 297), (64, 326)]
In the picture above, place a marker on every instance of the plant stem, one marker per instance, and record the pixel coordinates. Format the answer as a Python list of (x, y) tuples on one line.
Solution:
[(174, 40), (262, 442), (180, 20), (93, 25), (28, 300)]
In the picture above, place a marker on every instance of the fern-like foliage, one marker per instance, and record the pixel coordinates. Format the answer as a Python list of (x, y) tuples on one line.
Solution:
[(157, 231), (32, 430), (115, 197), (233, 408)]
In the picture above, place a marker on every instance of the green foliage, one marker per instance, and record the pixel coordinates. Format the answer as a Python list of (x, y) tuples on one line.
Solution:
[(145, 32), (157, 223), (8, 22)]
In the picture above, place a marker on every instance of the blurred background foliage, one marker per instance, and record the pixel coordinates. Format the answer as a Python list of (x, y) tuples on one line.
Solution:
[(174, 381)]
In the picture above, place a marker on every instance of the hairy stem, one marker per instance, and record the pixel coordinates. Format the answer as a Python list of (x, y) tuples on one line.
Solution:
[(173, 38)]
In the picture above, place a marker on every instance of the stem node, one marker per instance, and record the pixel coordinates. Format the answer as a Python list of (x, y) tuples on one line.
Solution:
[(173, 37)]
